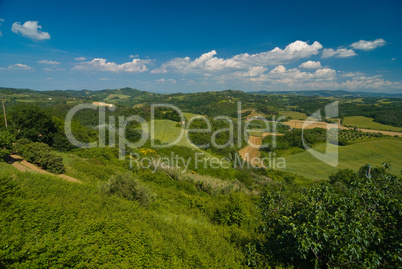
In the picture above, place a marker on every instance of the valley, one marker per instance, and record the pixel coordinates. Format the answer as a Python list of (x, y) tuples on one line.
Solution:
[(196, 201)]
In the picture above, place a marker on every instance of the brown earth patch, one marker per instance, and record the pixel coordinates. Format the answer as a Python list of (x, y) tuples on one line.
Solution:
[(252, 153)]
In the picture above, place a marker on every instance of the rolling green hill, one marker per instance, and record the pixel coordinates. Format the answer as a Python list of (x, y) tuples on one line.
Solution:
[(167, 131), (353, 156)]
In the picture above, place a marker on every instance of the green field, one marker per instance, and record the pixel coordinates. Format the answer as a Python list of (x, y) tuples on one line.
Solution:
[(368, 123), (167, 131), (293, 115), (358, 100), (353, 156), (188, 115), (118, 95)]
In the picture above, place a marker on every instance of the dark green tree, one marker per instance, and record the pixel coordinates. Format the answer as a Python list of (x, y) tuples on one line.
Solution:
[(33, 123)]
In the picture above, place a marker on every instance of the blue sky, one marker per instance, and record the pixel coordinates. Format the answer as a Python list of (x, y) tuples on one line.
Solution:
[(188, 46)]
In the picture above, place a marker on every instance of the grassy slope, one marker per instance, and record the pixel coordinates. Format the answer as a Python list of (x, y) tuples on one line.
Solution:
[(167, 132), (120, 96), (189, 115), (368, 123), (353, 156), (64, 224), (294, 115)]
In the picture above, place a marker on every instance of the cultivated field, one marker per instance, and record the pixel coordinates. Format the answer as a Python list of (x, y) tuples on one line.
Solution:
[(252, 153), (188, 115), (353, 156), (116, 96), (309, 125), (319, 124), (293, 115), (368, 123), (167, 131)]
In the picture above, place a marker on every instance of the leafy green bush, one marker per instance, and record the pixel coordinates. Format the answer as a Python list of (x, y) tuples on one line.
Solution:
[(128, 187), (358, 227), (7, 188), (52, 163), (345, 176), (289, 178), (232, 213), (245, 177), (33, 152), (40, 154), (20, 144)]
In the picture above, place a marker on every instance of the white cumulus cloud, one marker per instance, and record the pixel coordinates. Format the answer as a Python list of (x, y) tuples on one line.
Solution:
[(48, 62), (30, 29), (100, 64), (80, 59), (255, 71), (368, 45), (20, 67), (280, 75), (208, 62), (340, 53), (294, 51), (279, 69), (311, 65)]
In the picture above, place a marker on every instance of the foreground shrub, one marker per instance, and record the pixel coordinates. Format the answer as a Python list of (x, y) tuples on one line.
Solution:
[(52, 163), (128, 187), (20, 144), (7, 188), (40, 154), (33, 152), (359, 227), (231, 213)]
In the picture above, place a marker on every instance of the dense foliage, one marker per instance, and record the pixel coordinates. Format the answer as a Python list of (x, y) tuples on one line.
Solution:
[(31, 122), (385, 113), (190, 215), (294, 139), (46, 222), (40, 154), (353, 223), (127, 186), (6, 144)]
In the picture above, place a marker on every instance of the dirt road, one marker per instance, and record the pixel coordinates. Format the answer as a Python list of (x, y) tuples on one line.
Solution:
[(24, 166)]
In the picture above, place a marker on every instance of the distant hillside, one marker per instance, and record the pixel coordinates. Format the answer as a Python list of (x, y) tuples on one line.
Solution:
[(326, 93), (134, 93)]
